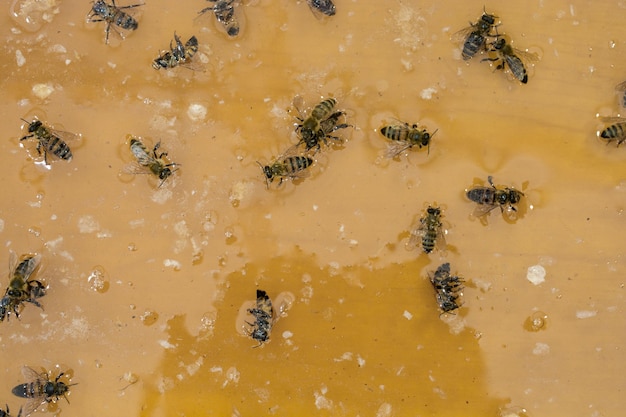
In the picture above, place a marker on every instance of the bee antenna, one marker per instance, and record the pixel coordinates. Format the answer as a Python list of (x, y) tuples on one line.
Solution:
[(267, 184)]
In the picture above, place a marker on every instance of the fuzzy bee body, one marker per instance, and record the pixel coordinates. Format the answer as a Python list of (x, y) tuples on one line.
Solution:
[(263, 313), (113, 15), (405, 137), (50, 141), (21, 288)]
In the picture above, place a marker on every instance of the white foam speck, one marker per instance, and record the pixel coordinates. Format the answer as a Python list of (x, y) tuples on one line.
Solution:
[(536, 274)]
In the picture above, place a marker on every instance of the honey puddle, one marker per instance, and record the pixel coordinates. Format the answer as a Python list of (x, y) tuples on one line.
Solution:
[(146, 279)]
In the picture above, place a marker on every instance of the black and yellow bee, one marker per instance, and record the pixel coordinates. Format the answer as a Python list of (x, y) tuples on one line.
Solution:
[(225, 14), (616, 131), (489, 198), (50, 141), (101, 11), (150, 162), (513, 59), (429, 234), (474, 37), (178, 55), (287, 166), (38, 389), (447, 288), (405, 136), (263, 314), (21, 288), (320, 124)]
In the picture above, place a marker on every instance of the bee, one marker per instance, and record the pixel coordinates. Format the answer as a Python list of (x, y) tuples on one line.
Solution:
[(406, 136), (50, 140), (614, 132), (178, 55), (474, 37), (153, 161), (7, 413), (112, 15), (489, 198), (512, 58), (286, 167), (320, 124), (21, 288), (38, 388), (263, 314), (225, 14), (447, 288), (430, 233), (321, 8)]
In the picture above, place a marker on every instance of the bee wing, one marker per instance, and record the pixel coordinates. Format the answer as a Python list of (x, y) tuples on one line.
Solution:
[(32, 404), (461, 35), (12, 263), (33, 263), (612, 119), (30, 375), (298, 104), (67, 137), (621, 86), (525, 56), (415, 240), (396, 148), (135, 168), (440, 240), (482, 209), (194, 66)]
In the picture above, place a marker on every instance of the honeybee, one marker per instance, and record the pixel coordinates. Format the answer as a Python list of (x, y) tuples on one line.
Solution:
[(616, 131), (263, 314), (322, 8), (50, 140), (178, 55), (320, 124), (447, 288), (512, 58), (225, 14), (7, 413), (405, 136), (112, 15), (429, 234), (287, 166), (474, 37), (153, 161), (38, 388), (489, 198), (21, 288)]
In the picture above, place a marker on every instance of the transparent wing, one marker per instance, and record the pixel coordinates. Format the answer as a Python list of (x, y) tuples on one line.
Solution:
[(613, 119), (135, 168), (461, 35), (67, 137), (30, 375), (396, 148), (416, 238), (482, 209)]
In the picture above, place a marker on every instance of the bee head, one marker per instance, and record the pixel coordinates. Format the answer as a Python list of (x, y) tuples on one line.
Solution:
[(514, 196), (33, 126), (433, 211), (99, 8), (267, 172)]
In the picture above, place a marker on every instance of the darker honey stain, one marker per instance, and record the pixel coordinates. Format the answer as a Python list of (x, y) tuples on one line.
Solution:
[(351, 349)]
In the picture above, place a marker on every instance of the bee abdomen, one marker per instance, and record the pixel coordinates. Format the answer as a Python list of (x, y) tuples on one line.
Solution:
[(297, 163), (614, 131), (474, 43), (59, 148), (324, 108)]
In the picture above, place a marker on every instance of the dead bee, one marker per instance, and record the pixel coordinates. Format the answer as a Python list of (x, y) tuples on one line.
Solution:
[(447, 288), (512, 58), (50, 140), (474, 37), (430, 233), (489, 198), (153, 161), (321, 8), (21, 288), (287, 166), (616, 131), (263, 314), (320, 124), (178, 54), (7, 413), (405, 136), (38, 389), (112, 15), (225, 14)]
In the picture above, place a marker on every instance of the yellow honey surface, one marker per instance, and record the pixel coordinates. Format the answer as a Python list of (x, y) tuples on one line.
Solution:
[(146, 283)]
